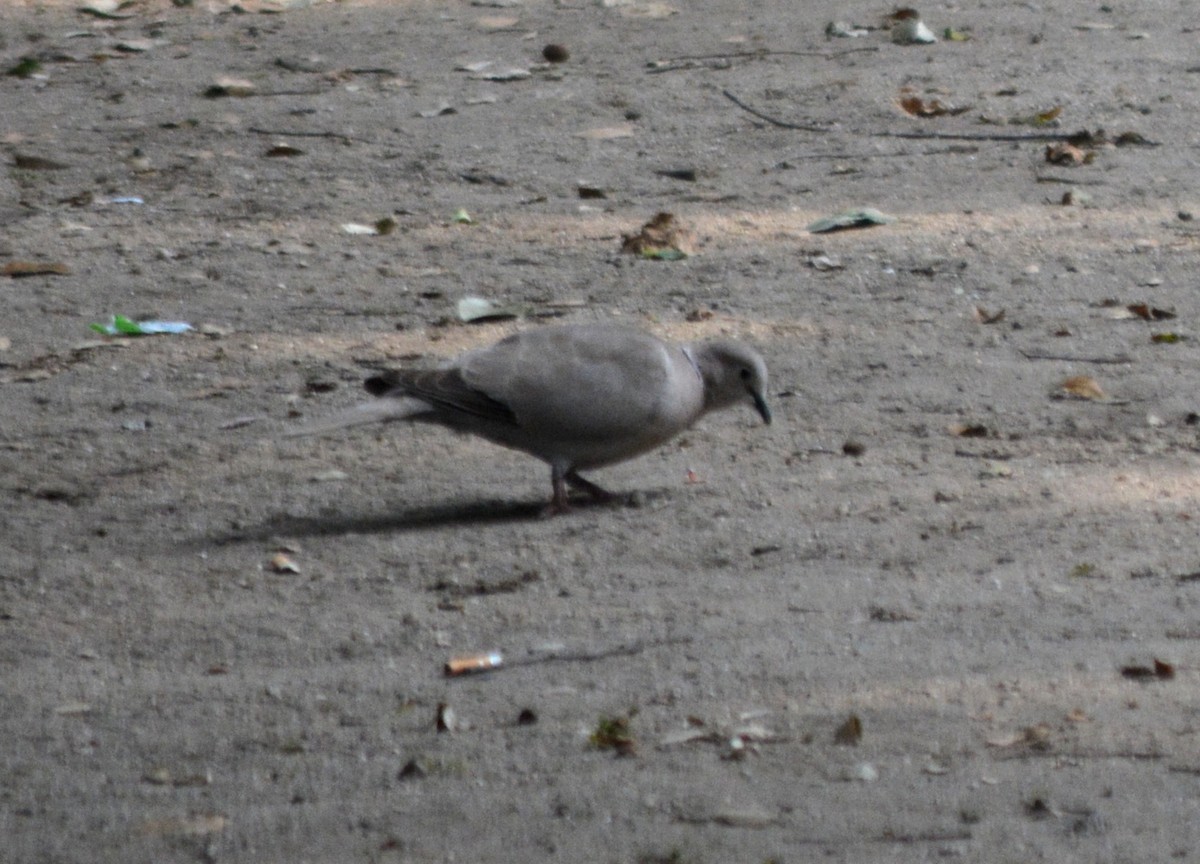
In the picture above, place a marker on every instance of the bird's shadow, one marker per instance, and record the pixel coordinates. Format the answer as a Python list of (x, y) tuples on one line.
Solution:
[(491, 512)]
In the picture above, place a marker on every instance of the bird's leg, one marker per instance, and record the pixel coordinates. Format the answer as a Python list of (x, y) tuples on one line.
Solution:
[(588, 486), (558, 503)]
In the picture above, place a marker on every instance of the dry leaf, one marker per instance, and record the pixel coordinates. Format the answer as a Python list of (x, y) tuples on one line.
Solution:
[(281, 563), (497, 22), (284, 150), (17, 269), (850, 732), (918, 107), (192, 826), (1068, 154), (1082, 387), (661, 237), (652, 10), (1045, 117), (985, 317), (607, 133), (68, 709), (37, 163), (503, 75), (1149, 313), (969, 430), (226, 86), (110, 9), (1161, 670)]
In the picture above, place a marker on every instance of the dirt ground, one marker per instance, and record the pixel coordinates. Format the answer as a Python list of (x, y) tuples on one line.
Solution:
[(970, 634)]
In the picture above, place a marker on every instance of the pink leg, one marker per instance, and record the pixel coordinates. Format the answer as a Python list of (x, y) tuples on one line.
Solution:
[(558, 503), (560, 480), (588, 486)]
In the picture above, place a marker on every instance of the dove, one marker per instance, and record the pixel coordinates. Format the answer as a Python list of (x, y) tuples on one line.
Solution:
[(578, 397)]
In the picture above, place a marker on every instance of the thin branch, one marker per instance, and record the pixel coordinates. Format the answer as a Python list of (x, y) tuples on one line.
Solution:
[(924, 837), (1069, 358), (624, 650), (774, 121), (1051, 753), (975, 136), (658, 65), (280, 134)]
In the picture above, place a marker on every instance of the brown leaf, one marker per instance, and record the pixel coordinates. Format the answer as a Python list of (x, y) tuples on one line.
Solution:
[(1149, 313), (37, 163), (1082, 387), (1045, 117), (850, 732), (1161, 670), (918, 107), (662, 233), (985, 317), (17, 269), (1068, 154), (969, 430)]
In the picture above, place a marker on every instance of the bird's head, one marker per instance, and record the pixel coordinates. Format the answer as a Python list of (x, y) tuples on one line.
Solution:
[(733, 374)]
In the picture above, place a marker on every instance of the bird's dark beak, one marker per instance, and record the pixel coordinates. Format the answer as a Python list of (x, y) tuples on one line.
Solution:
[(760, 405)]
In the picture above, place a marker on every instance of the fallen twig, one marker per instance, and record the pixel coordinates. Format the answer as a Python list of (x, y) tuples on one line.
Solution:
[(624, 650), (1069, 358), (1051, 753), (774, 121), (684, 61), (276, 133), (1067, 181), (995, 455), (974, 136), (924, 837)]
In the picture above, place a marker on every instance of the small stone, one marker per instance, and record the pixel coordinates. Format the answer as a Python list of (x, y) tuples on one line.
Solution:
[(853, 448), (866, 772)]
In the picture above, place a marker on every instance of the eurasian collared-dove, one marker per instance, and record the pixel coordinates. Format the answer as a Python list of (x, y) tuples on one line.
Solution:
[(575, 396)]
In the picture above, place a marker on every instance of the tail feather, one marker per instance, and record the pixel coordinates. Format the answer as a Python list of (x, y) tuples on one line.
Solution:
[(378, 411)]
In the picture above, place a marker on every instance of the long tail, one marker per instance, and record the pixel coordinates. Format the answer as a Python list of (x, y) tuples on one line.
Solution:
[(383, 410)]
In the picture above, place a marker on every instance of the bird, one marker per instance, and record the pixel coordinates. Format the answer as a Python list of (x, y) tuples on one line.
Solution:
[(576, 396)]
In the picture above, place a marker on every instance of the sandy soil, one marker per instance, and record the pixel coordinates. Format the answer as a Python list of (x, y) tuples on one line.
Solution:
[(941, 644)]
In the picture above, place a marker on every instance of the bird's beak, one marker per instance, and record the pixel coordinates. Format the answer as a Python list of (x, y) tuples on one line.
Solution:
[(760, 405)]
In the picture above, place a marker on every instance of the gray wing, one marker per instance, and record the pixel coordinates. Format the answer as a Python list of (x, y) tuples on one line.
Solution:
[(585, 383), (444, 390)]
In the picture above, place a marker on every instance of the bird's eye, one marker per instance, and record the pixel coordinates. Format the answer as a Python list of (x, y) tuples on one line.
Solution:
[(745, 374)]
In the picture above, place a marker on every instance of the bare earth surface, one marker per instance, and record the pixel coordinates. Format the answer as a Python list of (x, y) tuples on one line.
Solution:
[(982, 604)]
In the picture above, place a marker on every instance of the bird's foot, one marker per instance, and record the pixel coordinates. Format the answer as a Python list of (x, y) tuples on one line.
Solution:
[(589, 487)]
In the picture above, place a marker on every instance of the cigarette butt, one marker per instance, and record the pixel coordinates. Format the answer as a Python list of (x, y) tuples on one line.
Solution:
[(474, 663)]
